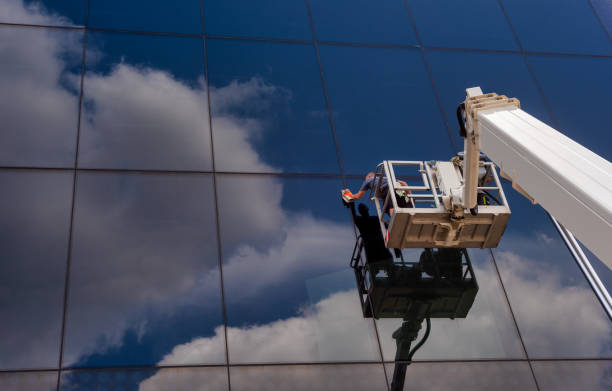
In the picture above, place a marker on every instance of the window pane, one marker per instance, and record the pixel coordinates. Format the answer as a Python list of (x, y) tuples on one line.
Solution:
[(144, 274), (573, 375), (261, 19), (40, 77), (383, 106), (579, 93), (467, 376), (478, 24), (363, 21), (488, 331), (269, 111), (196, 379), (504, 74), (27, 381), (355, 377), (603, 8), (558, 27), (289, 291), (35, 210), (548, 294), (144, 103), (44, 12), (147, 15)]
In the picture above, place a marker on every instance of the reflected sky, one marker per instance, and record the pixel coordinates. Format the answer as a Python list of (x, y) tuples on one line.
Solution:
[(302, 304), (147, 15), (573, 375), (503, 376), (144, 265), (144, 103), (35, 210), (44, 12), (383, 106), (40, 74), (363, 21), (555, 308), (466, 24), (504, 74), (286, 19), (268, 98), (554, 26), (579, 93)]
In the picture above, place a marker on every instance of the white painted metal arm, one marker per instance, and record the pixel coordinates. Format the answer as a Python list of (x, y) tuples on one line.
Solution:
[(571, 182)]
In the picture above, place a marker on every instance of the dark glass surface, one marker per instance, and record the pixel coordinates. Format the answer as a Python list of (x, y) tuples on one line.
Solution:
[(556, 310), (557, 27), (603, 271), (476, 24), (487, 332), (363, 21), (196, 379), (144, 276), (40, 77), (603, 8), (504, 74), (354, 377), (573, 375), (289, 291), (384, 107), (261, 19), (35, 210), (144, 103), (147, 15), (468, 376), (269, 111), (579, 93), (28, 381), (44, 12)]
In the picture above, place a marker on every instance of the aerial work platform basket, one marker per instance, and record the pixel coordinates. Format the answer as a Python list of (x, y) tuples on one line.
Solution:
[(422, 215)]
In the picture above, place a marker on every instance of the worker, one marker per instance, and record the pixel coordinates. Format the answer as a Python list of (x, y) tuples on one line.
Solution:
[(371, 182)]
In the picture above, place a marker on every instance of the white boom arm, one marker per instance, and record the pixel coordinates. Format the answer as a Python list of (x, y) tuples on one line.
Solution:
[(571, 182)]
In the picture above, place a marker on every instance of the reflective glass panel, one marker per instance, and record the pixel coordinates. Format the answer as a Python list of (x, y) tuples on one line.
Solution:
[(383, 106), (477, 24), (268, 106), (363, 21), (43, 12), (27, 381), (144, 275), (573, 375), (40, 77), (35, 210), (558, 27), (289, 291), (603, 8), (144, 103), (354, 377), (488, 330), (262, 19), (556, 310), (603, 271), (483, 376), (579, 93), (504, 74), (147, 15), (196, 379)]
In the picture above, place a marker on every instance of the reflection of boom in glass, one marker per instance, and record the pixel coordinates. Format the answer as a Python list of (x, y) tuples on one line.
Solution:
[(441, 284)]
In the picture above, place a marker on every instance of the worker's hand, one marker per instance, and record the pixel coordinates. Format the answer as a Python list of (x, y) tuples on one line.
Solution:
[(347, 195)]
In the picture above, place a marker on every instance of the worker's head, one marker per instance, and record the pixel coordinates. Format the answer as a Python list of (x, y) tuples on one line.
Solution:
[(363, 210), (370, 175)]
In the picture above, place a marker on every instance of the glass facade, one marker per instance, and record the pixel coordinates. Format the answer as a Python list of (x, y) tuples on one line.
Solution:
[(171, 170)]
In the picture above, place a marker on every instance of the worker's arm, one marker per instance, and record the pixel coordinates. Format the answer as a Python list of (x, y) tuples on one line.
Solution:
[(357, 196)]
